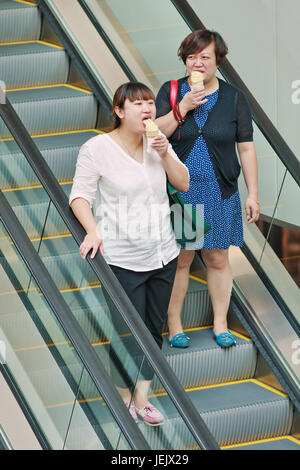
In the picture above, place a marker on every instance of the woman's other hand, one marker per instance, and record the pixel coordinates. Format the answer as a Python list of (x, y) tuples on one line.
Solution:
[(252, 210), (92, 241)]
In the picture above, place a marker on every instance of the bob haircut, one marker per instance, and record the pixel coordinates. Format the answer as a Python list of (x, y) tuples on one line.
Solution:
[(131, 91), (198, 40)]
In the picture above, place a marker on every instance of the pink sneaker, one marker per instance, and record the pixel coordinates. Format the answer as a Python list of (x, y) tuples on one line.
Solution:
[(150, 415), (132, 411)]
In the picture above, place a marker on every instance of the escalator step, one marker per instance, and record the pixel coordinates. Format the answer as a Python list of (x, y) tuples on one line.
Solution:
[(197, 309), (33, 64), (36, 214), (60, 152), (280, 443), (235, 413), (53, 109), (19, 21), (205, 363)]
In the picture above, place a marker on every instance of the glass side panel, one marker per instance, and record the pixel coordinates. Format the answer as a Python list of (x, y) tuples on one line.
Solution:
[(80, 411), (44, 365)]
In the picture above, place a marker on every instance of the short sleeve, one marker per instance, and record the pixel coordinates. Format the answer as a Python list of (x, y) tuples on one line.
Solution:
[(163, 105), (86, 178), (244, 119)]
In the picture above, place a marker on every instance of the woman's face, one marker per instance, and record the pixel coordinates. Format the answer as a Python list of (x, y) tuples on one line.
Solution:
[(134, 113), (204, 62)]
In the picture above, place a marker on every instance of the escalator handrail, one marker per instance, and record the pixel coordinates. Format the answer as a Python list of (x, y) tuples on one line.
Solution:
[(71, 327), (162, 369), (263, 122)]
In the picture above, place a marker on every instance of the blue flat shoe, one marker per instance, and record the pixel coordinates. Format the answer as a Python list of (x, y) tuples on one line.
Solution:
[(225, 340), (181, 340)]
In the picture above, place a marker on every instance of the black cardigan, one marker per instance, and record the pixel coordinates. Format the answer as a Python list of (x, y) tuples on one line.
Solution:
[(228, 122)]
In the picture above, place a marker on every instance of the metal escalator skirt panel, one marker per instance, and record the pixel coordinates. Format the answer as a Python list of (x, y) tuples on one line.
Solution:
[(33, 64), (53, 109), (19, 21)]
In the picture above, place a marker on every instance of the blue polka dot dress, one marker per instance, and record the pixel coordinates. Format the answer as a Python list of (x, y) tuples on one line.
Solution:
[(223, 215)]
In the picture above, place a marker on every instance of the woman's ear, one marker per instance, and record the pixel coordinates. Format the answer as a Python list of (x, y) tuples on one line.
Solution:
[(119, 112)]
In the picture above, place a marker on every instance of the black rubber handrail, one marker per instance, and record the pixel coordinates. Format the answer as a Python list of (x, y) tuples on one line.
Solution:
[(262, 121), (167, 377), (71, 327)]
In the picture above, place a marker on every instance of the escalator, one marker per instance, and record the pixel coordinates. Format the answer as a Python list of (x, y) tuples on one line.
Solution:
[(241, 408)]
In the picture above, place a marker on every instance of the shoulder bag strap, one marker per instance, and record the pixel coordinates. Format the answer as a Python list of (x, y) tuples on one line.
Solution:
[(173, 92)]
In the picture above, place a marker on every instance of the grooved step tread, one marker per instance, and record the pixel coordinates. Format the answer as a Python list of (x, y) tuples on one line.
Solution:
[(9, 49), (15, 4), (226, 409), (45, 93)]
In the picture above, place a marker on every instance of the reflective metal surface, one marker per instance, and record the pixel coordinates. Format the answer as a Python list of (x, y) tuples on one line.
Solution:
[(266, 314)]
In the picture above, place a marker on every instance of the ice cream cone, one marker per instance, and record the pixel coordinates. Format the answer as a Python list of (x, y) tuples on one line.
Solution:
[(197, 81), (151, 129)]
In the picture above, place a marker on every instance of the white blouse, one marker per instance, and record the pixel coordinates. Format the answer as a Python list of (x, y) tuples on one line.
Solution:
[(130, 203)]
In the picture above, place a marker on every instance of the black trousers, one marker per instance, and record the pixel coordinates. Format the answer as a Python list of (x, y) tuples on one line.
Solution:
[(150, 293)]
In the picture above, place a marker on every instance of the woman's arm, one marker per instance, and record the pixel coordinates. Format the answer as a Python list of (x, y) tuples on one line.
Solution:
[(249, 166), (168, 124), (92, 241), (176, 171)]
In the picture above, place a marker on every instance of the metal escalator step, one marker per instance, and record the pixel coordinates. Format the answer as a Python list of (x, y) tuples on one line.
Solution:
[(205, 363), (235, 413), (36, 213), (62, 258), (197, 309), (64, 263), (60, 152), (88, 307), (33, 64), (19, 21), (279, 443), (53, 109)]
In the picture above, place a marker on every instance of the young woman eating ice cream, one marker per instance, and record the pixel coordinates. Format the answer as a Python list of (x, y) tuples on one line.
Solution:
[(120, 168)]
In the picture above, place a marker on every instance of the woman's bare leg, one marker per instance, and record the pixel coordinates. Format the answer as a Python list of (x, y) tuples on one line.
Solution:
[(179, 291), (219, 282)]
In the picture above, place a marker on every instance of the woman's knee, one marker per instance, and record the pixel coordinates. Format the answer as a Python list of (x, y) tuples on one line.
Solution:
[(185, 259), (215, 259)]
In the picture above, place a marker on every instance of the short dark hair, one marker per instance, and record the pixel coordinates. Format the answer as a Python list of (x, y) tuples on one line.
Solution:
[(198, 40), (131, 91)]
